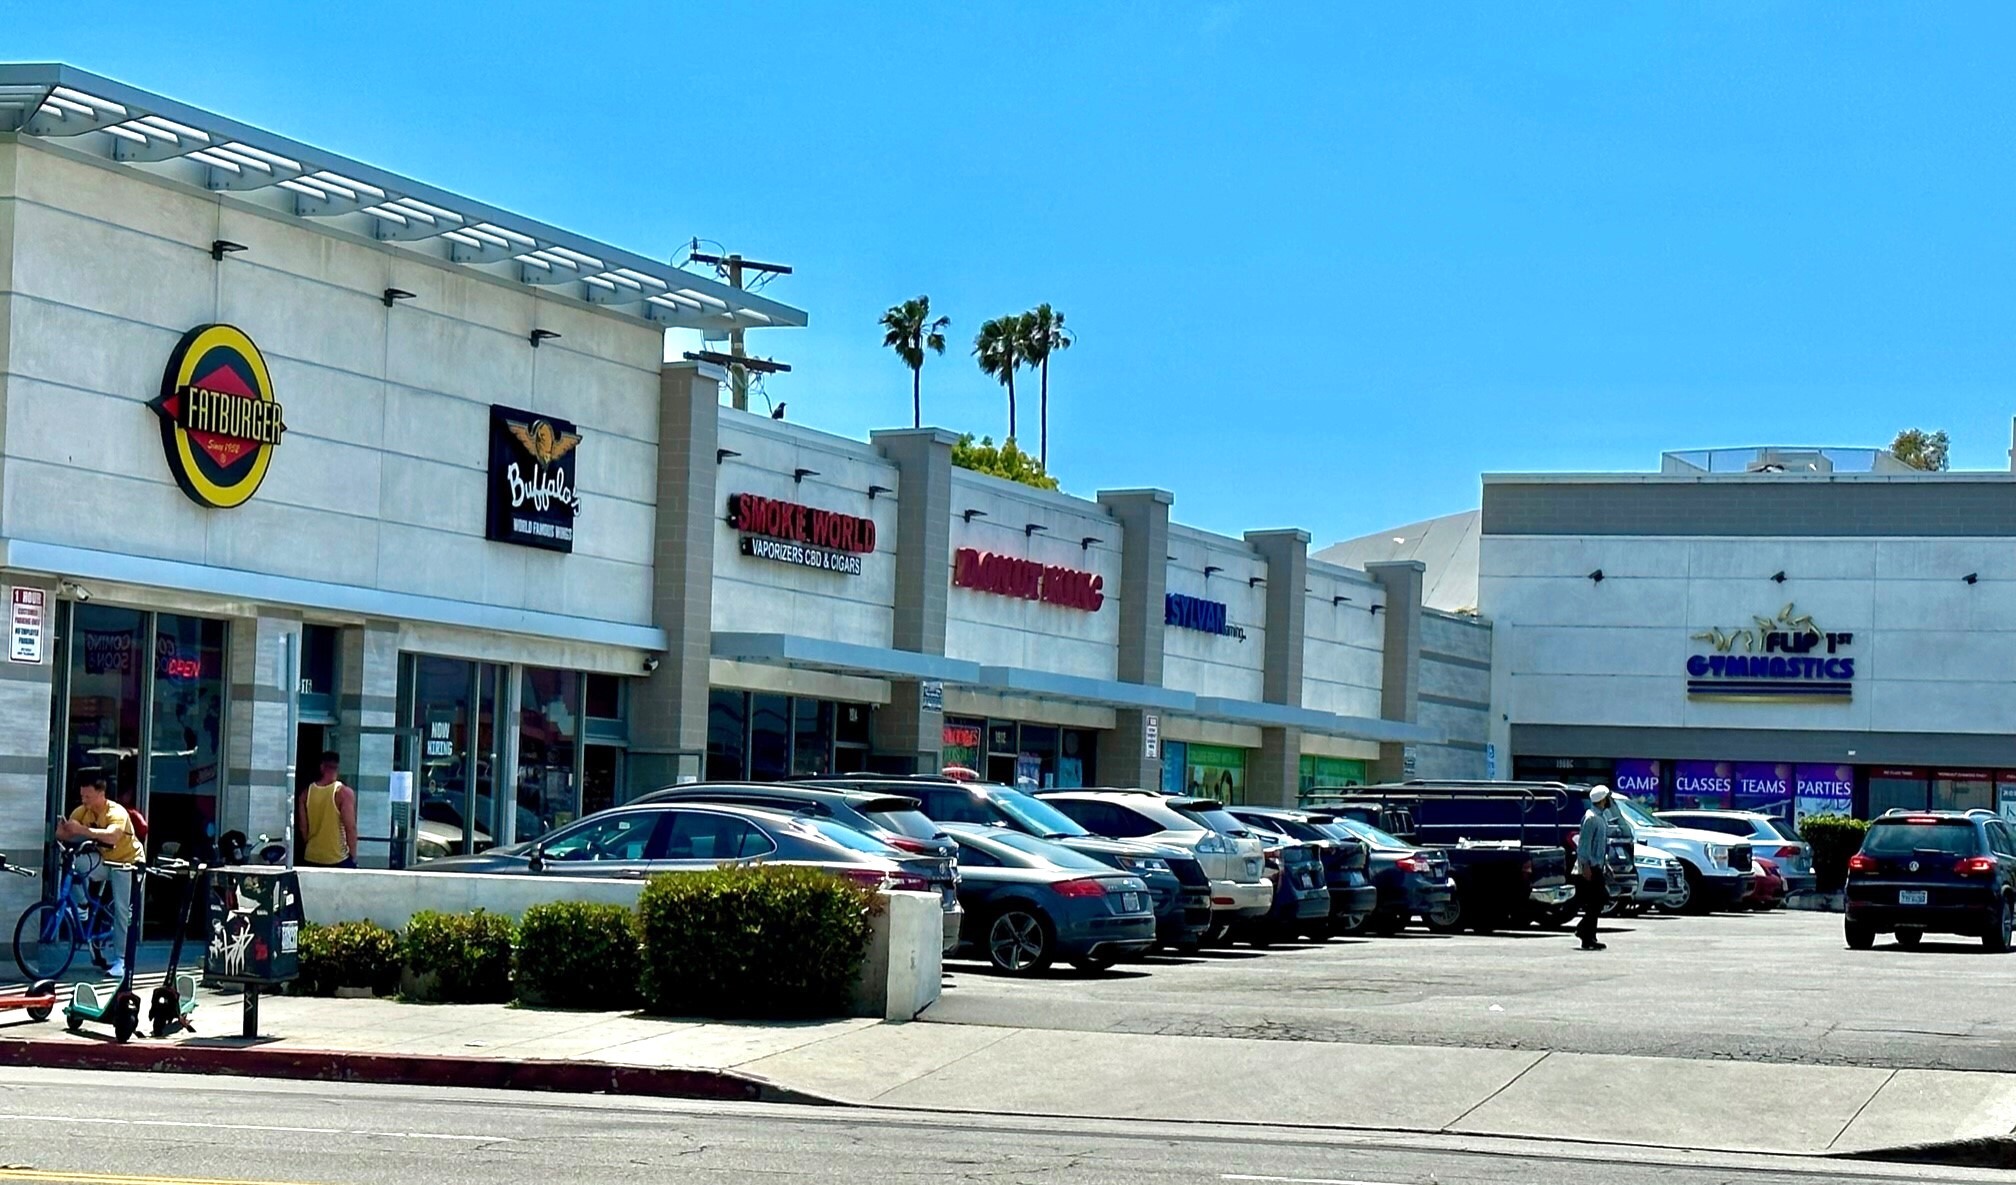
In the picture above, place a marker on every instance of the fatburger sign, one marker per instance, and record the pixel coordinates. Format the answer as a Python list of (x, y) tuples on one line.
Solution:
[(1011, 576)]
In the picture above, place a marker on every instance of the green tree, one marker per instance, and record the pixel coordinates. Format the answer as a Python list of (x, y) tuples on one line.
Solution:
[(1920, 449), (1006, 461), (999, 349), (1043, 334), (911, 330)]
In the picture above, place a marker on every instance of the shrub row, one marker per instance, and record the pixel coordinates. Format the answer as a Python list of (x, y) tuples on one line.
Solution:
[(1834, 838), (767, 942)]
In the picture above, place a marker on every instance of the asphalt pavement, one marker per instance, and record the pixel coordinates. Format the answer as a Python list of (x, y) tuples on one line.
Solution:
[(1778, 987), (130, 1129)]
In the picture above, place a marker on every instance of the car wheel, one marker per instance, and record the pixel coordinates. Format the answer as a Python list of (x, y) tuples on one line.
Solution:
[(1860, 935), (1019, 941), (1348, 926), (1908, 938), (1218, 935), (1447, 919), (1320, 931), (1996, 938), (1697, 900)]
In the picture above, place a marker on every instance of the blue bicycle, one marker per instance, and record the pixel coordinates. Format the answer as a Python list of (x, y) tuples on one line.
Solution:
[(50, 931)]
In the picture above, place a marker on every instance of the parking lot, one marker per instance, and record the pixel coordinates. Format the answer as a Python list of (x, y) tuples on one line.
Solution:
[(1772, 987)]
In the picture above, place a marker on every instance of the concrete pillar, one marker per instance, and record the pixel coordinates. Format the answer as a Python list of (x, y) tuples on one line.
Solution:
[(257, 797), (1143, 519), (908, 737), (668, 708), (1275, 779), (29, 793), (1400, 680), (367, 707)]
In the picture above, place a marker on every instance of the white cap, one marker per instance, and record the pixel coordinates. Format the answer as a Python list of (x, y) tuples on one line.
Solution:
[(1599, 795)]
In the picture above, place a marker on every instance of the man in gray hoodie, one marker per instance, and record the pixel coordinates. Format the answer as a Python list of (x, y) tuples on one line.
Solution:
[(1592, 864)]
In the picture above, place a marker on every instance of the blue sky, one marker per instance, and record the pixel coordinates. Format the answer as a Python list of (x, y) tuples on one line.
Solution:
[(1327, 262)]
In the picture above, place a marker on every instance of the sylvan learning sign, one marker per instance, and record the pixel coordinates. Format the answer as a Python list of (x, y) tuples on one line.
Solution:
[(1781, 659), (1010, 576), (790, 533), (533, 498), (219, 420), (1196, 613)]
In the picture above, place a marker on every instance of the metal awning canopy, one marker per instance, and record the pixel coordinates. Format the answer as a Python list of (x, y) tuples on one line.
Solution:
[(112, 122)]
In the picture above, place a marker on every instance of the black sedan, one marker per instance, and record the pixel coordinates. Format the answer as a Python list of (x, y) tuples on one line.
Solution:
[(1412, 882), (1346, 863), (1030, 902)]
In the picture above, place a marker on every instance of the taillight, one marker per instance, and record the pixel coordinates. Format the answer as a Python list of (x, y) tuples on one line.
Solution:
[(1976, 866), (1411, 864), (1273, 860), (1527, 871), (867, 878), (1787, 852), (1080, 888), (922, 847), (909, 882), (1861, 863)]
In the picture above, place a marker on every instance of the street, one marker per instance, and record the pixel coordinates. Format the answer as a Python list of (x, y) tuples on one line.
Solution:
[(1756, 987), (135, 1129)]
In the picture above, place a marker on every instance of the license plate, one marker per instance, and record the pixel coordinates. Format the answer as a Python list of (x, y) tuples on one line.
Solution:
[(1130, 902), (1912, 896)]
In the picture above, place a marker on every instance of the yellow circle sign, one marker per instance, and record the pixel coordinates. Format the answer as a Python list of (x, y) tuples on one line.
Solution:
[(219, 420)]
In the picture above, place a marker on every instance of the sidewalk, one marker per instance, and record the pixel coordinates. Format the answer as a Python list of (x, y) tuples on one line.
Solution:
[(1598, 1098)]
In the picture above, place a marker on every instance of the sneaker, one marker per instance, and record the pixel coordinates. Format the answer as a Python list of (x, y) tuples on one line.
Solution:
[(1594, 946), (117, 970)]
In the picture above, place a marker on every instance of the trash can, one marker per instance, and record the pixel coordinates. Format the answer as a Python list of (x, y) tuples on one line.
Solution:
[(254, 927)]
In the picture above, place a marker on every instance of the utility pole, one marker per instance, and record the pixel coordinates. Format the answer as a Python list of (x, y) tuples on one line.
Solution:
[(738, 372)]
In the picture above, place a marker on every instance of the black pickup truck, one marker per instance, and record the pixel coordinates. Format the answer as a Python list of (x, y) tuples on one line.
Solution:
[(1505, 876), (1554, 815)]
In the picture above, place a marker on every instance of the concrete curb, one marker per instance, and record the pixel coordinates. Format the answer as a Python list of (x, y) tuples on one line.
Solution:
[(1986, 1152), (396, 1069)]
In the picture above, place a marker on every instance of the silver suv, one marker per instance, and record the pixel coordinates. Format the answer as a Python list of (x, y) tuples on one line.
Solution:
[(1232, 856)]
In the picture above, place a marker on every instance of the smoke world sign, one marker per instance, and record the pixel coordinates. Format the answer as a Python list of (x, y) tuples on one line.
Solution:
[(793, 533), (219, 420), (1781, 659)]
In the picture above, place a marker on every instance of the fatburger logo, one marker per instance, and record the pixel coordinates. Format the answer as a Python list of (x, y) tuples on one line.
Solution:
[(219, 420)]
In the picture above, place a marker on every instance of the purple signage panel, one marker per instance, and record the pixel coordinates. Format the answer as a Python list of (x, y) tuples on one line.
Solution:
[(1824, 790), (1702, 785), (1637, 778), (1763, 786)]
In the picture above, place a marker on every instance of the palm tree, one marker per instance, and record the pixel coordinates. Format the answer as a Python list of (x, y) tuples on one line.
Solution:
[(911, 331), (999, 348), (1043, 333)]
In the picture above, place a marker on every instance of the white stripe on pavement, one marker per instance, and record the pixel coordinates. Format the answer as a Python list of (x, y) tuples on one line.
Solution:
[(250, 1127), (1302, 1180)]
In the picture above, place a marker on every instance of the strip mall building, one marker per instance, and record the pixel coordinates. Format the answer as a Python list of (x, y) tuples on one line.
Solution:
[(299, 453)]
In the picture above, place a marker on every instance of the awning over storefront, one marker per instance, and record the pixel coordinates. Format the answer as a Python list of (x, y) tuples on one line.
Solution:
[(846, 658), (1361, 728), (1110, 693)]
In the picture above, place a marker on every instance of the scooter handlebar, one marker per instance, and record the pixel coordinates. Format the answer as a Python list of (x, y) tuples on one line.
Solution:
[(16, 869)]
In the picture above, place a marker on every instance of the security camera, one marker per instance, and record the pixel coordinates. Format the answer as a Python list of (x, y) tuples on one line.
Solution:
[(75, 591), (650, 663)]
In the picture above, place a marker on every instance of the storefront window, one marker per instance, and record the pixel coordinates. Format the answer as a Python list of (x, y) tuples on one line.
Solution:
[(548, 722), (1175, 767), (1075, 752), (727, 736), (811, 736), (960, 746), (601, 774), (1217, 771), (769, 737), (105, 687), (1963, 790), (442, 688), (1897, 789), (188, 732), (321, 648), (1329, 772)]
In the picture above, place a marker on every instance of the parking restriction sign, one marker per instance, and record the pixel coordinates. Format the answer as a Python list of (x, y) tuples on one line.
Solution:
[(28, 642)]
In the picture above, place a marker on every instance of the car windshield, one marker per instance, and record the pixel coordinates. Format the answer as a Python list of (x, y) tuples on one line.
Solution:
[(1634, 814), (914, 824), (1371, 834), (1337, 830), (1947, 837), (1062, 857), (1035, 814), (1223, 822), (847, 837), (1784, 829)]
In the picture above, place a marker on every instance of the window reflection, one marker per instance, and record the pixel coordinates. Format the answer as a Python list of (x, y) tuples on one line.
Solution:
[(188, 733), (549, 720)]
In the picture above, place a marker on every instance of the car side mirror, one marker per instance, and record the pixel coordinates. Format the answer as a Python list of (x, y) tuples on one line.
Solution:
[(537, 859)]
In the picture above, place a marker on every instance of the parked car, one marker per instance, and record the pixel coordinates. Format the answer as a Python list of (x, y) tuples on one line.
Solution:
[(1508, 865), (1945, 872), (643, 839), (1552, 813), (1412, 882), (891, 819), (1353, 896), (1301, 893), (1662, 880), (1030, 902), (1769, 836), (1716, 865), (1767, 886), (1174, 875), (1236, 863)]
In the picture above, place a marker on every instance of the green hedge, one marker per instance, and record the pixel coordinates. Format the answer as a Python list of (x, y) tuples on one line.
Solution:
[(348, 955), (752, 942), (574, 954), (460, 958), (1834, 838)]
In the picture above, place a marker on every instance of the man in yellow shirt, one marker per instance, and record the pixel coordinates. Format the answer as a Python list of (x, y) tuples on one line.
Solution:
[(106, 822), (325, 817)]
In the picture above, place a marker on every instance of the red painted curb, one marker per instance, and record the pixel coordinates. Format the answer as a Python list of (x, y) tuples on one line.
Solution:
[(401, 1069)]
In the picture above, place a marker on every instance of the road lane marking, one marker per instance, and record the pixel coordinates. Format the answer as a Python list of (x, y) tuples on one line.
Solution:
[(58, 1177), (250, 1127), (1301, 1180)]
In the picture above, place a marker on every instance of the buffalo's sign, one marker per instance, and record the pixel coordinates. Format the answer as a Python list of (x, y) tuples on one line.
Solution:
[(533, 499), (219, 420), (1781, 659), (1010, 576)]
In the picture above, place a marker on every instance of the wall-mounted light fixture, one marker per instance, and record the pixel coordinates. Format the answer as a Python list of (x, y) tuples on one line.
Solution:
[(1972, 578), (1210, 568), (798, 476), (1376, 609), (1597, 576), (722, 454), (1086, 543), (874, 490), (219, 248), (542, 335), (1778, 577), (1336, 601), (1029, 529), (970, 515), (392, 296), (1255, 581)]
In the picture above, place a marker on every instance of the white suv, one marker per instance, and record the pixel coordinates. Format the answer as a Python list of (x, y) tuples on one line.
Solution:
[(1232, 856), (1717, 866)]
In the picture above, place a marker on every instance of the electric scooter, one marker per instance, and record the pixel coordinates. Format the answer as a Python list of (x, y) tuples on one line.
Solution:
[(116, 1006), (169, 1008), (40, 998)]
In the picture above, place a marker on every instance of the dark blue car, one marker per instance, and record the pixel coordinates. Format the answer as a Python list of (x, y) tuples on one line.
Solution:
[(1030, 902)]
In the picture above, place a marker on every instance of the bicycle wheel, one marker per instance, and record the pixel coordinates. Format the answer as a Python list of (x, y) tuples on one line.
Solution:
[(45, 940)]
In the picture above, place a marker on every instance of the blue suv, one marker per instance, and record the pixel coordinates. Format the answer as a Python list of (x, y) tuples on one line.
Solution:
[(1945, 872)]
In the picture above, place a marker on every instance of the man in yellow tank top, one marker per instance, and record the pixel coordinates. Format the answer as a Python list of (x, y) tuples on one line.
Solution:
[(325, 818), (105, 822)]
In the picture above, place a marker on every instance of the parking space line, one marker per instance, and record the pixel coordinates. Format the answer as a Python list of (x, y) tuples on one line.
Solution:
[(1302, 1180)]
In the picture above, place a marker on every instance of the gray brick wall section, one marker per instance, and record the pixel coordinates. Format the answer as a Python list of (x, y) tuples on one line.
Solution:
[(1400, 674), (906, 734), (668, 709), (1143, 516), (369, 699), (256, 797), (1275, 777), (1738, 506), (26, 818), (1455, 694)]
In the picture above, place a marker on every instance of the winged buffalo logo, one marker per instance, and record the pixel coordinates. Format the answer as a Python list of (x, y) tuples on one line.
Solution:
[(542, 442), (219, 420)]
